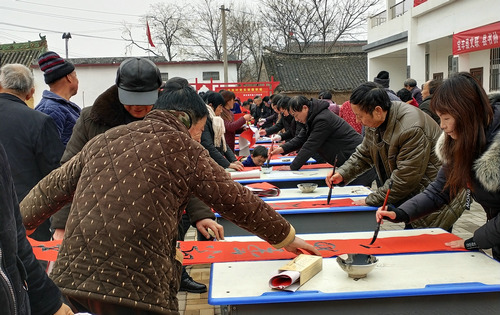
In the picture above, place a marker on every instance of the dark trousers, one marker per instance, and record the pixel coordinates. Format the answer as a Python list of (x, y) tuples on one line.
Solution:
[(96, 307)]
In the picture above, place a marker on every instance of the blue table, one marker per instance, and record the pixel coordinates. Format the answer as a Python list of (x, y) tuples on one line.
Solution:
[(423, 283), (290, 179), (318, 220)]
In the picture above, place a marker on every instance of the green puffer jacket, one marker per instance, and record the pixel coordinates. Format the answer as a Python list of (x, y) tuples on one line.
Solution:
[(406, 151)]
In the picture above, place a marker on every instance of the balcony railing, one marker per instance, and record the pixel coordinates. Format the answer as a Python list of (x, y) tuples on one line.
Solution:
[(400, 8)]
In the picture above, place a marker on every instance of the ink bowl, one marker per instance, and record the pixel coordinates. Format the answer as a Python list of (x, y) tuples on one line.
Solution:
[(307, 187), (266, 169), (357, 265)]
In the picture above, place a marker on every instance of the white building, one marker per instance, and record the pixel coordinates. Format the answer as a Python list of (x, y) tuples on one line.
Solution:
[(98, 74), (426, 39)]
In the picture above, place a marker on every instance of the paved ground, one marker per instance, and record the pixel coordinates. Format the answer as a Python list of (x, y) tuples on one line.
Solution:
[(196, 304)]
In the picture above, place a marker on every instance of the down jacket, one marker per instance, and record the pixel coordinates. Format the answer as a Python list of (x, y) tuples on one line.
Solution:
[(485, 189), (64, 112), (129, 185), (106, 113), (404, 153), (324, 133)]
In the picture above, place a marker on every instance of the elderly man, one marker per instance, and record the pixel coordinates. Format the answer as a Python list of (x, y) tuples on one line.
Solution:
[(416, 93), (61, 77), (399, 141), (428, 89), (29, 137)]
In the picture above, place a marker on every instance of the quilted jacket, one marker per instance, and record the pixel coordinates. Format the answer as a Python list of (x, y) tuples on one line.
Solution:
[(64, 112), (129, 184), (404, 153)]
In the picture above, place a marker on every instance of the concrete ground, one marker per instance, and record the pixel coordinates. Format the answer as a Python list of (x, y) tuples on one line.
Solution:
[(196, 304)]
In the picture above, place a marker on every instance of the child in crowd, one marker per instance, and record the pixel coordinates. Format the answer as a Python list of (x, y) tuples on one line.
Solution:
[(257, 158)]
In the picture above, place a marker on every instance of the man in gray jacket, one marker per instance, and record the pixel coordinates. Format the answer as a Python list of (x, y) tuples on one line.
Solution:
[(399, 141)]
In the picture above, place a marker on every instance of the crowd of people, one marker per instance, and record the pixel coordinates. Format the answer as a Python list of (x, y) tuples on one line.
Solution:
[(121, 181)]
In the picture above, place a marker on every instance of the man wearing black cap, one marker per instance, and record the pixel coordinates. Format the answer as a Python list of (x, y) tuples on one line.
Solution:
[(61, 77)]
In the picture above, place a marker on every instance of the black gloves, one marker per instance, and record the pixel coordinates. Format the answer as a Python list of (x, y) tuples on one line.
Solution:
[(401, 216)]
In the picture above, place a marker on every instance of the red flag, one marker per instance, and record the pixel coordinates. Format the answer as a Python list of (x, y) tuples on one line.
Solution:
[(148, 33)]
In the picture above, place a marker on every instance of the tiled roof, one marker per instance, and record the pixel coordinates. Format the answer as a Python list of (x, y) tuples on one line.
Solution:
[(23, 53), (305, 73)]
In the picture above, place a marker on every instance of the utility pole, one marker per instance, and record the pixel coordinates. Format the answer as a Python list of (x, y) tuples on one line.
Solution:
[(224, 39), (66, 37)]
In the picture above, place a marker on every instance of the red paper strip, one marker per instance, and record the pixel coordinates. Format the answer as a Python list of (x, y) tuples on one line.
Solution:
[(196, 252), (317, 203), (262, 185)]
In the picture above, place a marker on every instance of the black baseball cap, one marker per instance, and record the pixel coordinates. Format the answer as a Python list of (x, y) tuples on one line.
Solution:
[(138, 81)]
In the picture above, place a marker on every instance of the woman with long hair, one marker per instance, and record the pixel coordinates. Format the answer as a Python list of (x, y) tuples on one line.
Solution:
[(231, 125), (470, 150), (213, 138)]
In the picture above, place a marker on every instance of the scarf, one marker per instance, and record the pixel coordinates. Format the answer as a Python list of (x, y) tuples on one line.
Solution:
[(219, 129)]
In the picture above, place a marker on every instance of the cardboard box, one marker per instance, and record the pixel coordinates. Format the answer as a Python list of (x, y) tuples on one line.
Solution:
[(307, 265)]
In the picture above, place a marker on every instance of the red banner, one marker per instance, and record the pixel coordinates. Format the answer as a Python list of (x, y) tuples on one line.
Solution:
[(418, 2), (480, 38), (196, 252)]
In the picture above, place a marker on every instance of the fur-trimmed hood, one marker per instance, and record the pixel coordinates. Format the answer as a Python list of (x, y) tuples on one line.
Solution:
[(108, 110)]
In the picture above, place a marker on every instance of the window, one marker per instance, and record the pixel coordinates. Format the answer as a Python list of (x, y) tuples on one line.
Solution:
[(478, 74), (164, 76), (452, 65), (494, 69), (214, 75)]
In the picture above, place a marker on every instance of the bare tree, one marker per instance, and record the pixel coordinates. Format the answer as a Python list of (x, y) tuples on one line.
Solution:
[(302, 22), (293, 21), (166, 26), (204, 32)]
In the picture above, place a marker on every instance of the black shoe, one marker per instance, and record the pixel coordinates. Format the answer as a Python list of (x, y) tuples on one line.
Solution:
[(189, 285)]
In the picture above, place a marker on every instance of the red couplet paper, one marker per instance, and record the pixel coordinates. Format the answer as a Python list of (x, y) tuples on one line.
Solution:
[(317, 203), (249, 135), (203, 252)]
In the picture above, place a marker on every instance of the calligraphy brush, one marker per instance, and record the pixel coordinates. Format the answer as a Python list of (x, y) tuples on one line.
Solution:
[(270, 152), (331, 187), (375, 234)]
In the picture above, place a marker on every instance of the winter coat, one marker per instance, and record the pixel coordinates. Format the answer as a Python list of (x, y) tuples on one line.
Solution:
[(24, 285), (108, 112), (485, 189), (129, 187), (348, 115), (292, 130), (64, 112), (283, 122), (223, 158), (231, 127), (324, 133), (405, 155), (31, 141), (416, 93), (425, 106)]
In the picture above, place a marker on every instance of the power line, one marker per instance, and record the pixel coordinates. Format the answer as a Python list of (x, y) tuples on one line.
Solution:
[(78, 9), (58, 32), (64, 16)]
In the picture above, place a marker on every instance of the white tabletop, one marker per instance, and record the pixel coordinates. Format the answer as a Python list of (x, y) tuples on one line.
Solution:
[(394, 275), (322, 192)]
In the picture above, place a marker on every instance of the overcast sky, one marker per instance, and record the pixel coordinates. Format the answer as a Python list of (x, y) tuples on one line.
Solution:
[(95, 25)]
